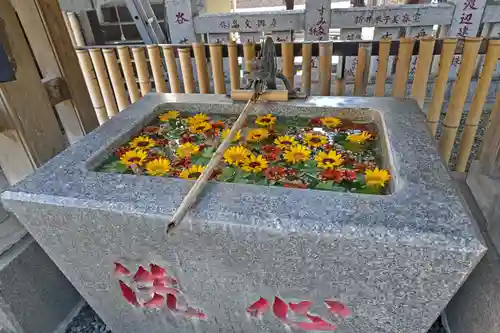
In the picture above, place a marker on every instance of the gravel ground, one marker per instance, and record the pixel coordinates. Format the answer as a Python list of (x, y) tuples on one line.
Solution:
[(87, 321)]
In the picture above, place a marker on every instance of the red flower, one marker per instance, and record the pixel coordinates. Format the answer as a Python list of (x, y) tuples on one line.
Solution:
[(316, 121), (186, 138), (291, 172), (350, 175), (120, 151), (335, 175), (295, 185), (182, 162), (270, 149), (161, 142), (274, 173), (360, 166), (218, 124), (151, 129)]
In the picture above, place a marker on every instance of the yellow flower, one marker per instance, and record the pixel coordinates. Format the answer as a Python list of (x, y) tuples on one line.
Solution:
[(331, 121), (315, 139), (377, 177), (225, 133), (172, 114), (193, 172), (285, 141), (297, 154), (200, 128), (131, 157), (266, 120), (187, 149), (257, 134), (158, 167), (359, 137), (236, 155), (197, 118), (142, 142), (329, 160), (255, 164)]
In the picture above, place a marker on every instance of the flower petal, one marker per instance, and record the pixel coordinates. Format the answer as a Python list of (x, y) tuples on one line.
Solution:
[(128, 294), (258, 307), (316, 326), (338, 308), (301, 308), (280, 308), (121, 270), (194, 313), (156, 302), (157, 271), (143, 275), (171, 302)]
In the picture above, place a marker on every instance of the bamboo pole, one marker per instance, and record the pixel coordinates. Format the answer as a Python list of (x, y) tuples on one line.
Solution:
[(383, 63), (402, 67), (325, 68), (173, 74), (141, 66), (116, 78), (128, 72), (187, 69), (288, 62), (217, 68), (425, 56), (201, 67), (68, 27), (478, 101), (458, 96), (202, 180), (306, 68), (269, 95), (360, 77), (76, 29), (234, 68), (103, 79), (157, 68), (249, 56), (92, 85), (445, 60), (339, 87)]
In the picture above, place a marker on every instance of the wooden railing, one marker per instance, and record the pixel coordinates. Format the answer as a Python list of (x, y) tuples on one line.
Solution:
[(198, 68)]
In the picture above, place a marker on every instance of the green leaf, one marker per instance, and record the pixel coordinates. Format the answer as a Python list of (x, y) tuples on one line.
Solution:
[(370, 190), (310, 164), (116, 166), (226, 174), (328, 185), (208, 152), (263, 181), (201, 160), (354, 147)]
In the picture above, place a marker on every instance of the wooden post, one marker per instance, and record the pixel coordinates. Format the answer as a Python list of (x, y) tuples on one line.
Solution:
[(234, 67), (458, 96), (51, 44), (68, 27), (425, 55), (445, 59), (29, 133), (76, 29), (325, 68), (476, 109), (490, 152), (383, 62), (361, 71), (157, 68), (187, 69), (173, 75), (288, 62), (92, 86), (102, 78), (116, 78), (305, 80), (141, 66), (402, 66), (128, 72), (201, 67), (248, 56), (217, 70)]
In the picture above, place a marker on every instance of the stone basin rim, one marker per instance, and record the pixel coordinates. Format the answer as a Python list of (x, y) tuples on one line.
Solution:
[(425, 190)]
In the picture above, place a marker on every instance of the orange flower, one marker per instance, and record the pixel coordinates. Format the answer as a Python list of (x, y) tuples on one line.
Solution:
[(274, 173)]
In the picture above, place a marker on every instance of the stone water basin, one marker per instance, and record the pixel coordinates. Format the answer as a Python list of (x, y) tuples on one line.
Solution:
[(251, 257)]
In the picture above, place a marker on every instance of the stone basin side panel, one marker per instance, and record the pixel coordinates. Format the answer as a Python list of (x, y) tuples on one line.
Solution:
[(222, 269)]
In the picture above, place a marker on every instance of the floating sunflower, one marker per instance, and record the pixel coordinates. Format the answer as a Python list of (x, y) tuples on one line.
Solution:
[(200, 127), (254, 164), (193, 172), (158, 167), (142, 142), (187, 149), (297, 154), (329, 160), (266, 120), (315, 140), (133, 157), (197, 118), (359, 137), (257, 134), (330, 121), (225, 133), (377, 177), (172, 114), (236, 155), (285, 141)]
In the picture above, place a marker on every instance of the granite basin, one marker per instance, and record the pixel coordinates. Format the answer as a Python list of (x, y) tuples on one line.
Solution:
[(251, 258)]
